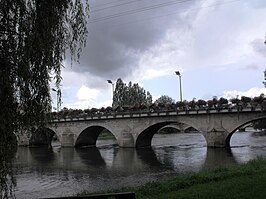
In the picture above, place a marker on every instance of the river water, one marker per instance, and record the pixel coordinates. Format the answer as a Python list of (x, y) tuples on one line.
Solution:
[(42, 172)]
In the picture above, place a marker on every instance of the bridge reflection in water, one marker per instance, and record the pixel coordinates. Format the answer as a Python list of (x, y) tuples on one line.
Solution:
[(52, 171)]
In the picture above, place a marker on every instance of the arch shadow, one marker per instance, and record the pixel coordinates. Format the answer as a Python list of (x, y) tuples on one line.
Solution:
[(43, 155), (218, 157), (13, 139), (91, 157), (148, 156), (89, 136), (42, 137)]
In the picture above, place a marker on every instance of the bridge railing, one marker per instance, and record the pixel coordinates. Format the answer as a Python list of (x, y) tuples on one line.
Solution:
[(184, 107), (134, 114)]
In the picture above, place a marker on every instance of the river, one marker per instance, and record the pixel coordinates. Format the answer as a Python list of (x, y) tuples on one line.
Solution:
[(54, 172)]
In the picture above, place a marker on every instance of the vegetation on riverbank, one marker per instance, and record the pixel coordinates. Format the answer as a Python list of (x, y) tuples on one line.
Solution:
[(239, 181), (106, 135)]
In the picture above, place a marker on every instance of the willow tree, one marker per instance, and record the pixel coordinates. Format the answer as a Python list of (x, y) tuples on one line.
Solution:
[(35, 36)]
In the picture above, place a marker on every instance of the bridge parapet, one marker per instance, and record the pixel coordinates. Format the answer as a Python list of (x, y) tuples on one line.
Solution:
[(142, 114)]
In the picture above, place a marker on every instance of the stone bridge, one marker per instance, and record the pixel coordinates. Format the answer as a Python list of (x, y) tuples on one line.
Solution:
[(137, 129)]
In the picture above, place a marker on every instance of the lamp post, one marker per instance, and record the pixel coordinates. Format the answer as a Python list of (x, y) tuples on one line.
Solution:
[(180, 86), (58, 93), (265, 75), (110, 82)]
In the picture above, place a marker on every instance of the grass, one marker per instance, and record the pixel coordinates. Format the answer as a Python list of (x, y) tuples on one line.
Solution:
[(106, 135), (239, 181), (236, 187)]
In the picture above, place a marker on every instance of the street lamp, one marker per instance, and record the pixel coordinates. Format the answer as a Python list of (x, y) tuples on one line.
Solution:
[(264, 76), (58, 93), (180, 86), (110, 82)]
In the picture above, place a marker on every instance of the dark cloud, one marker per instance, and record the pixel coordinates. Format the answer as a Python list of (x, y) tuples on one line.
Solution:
[(257, 4), (259, 46), (115, 44), (252, 67)]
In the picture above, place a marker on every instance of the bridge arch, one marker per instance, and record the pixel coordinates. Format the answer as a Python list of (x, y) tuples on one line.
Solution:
[(89, 136), (42, 137), (144, 138), (180, 127), (13, 137), (229, 136)]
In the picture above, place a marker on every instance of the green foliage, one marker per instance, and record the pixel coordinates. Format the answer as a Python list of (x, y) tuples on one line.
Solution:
[(130, 95), (168, 130), (106, 135), (164, 99), (34, 38), (260, 124), (149, 98)]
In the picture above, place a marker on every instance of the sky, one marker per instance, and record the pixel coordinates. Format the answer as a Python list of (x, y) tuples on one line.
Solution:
[(216, 45)]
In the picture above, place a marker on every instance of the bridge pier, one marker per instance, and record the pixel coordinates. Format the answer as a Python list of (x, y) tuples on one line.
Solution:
[(67, 140), (126, 140), (216, 138)]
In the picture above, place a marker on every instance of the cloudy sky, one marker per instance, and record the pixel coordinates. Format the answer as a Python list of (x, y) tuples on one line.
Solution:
[(217, 45)]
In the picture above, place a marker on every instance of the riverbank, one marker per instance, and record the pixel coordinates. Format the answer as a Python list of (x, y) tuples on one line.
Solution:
[(239, 181)]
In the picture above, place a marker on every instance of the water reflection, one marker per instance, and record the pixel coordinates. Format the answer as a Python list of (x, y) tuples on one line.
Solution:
[(91, 157), (181, 159), (124, 160), (51, 172), (43, 155), (217, 157), (7, 179), (248, 145), (148, 157)]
